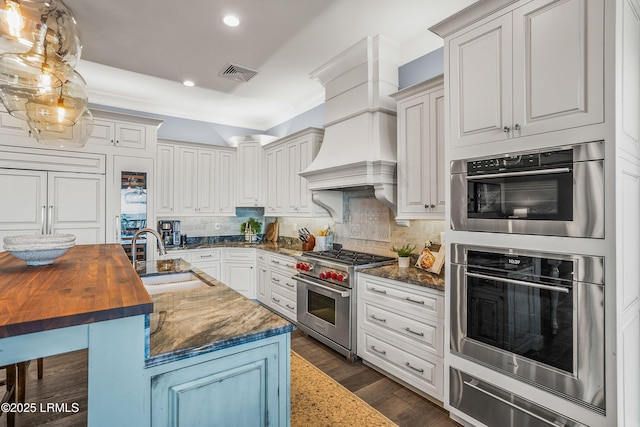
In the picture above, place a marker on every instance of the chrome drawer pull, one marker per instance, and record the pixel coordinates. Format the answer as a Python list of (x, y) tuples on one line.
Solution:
[(414, 301), (408, 365), (382, 352), (373, 316), (290, 307), (378, 291), (291, 285), (275, 280), (275, 300), (275, 262), (206, 256), (420, 334)]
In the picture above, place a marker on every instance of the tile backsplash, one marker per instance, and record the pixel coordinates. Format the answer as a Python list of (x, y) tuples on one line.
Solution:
[(368, 226)]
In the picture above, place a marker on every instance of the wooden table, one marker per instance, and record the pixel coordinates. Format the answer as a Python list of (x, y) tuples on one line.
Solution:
[(89, 298)]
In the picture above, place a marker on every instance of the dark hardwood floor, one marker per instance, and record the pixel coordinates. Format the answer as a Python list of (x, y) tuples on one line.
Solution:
[(65, 381)]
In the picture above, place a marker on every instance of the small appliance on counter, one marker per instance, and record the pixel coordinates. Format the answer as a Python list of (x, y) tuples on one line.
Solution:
[(170, 232)]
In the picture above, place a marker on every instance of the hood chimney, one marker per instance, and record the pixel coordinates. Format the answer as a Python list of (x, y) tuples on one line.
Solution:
[(359, 146)]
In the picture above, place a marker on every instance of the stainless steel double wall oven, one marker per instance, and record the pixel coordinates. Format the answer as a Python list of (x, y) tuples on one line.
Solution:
[(535, 315)]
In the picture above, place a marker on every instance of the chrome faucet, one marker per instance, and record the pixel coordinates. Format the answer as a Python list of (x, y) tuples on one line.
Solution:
[(161, 247)]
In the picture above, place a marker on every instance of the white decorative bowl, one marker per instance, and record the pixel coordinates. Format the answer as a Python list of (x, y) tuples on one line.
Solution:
[(39, 249)]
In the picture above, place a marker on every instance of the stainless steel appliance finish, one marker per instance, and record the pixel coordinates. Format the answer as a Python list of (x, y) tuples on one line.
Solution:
[(536, 316), (494, 406), (325, 295), (170, 231), (553, 192)]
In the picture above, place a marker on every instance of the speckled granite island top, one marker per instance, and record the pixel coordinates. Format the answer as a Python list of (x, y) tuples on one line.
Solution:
[(187, 323), (412, 275)]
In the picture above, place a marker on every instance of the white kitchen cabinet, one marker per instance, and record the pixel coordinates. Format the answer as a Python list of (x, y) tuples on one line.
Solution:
[(533, 70), (421, 166), (165, 171), (207, 260), (287, 192), (262, 277), (240, 270), (250, 179), (118, 134), (12, 126), (276, 286), (48, 202), (401, 331), (225, 179)]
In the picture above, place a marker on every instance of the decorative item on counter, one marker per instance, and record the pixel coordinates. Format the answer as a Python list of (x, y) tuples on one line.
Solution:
[(251, 228), (429, 261), (41, 249), (271, 234), (324, 239), (404, 254)]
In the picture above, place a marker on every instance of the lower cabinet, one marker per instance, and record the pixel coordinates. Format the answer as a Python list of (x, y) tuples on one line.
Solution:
[(239, 270), (401, 332), (209, 261), (247, 385), (275, 283)]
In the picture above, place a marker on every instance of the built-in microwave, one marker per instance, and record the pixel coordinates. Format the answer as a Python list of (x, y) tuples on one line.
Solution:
[(553, 192)]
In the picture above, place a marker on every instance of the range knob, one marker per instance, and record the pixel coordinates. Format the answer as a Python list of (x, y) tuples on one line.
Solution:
[(298, 266), (334, 275), (341, 278), (321, 275)]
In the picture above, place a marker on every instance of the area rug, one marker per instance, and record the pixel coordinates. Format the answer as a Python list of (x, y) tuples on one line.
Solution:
[(318, 400)]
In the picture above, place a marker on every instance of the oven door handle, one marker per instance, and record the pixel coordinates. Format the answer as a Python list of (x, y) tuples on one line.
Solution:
[(518, 282), (342, 293), (474, 384), (521, 173)]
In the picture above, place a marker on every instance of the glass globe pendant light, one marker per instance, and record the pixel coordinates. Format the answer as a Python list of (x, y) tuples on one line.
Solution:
[(62, 106), (76, 135)]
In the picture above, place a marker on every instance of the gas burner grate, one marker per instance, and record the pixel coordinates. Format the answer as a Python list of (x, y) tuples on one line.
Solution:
[(349, 257)]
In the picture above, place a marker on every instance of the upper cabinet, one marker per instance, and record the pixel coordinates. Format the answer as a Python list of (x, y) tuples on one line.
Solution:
[(421, 165), (250, 172), (195, 180), (287, 192), (533, 70), (114, 132)]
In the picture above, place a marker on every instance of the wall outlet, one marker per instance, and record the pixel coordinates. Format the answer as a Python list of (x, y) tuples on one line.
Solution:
[(217, 226)]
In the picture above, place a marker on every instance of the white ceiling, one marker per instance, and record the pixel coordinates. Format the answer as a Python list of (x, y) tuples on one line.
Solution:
[(136, 53)]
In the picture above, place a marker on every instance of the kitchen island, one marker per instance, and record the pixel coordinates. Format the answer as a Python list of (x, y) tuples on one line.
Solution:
[(92, 298)]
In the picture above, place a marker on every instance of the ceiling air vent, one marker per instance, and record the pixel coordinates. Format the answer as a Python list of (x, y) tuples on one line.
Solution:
[(237, 73)]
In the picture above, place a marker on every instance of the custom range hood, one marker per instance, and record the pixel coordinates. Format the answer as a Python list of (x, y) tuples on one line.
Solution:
[(359, 145)]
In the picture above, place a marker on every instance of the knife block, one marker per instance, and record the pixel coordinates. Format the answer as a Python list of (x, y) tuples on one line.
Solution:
[(309, 244)]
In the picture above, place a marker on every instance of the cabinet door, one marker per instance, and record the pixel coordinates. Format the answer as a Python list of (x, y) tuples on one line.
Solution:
[(481, 83), (240, 277), (292, 178), (226, 183), (206, 181), (414, 156), (130, 135), (438, 167), (166, 179), (12, 126), (305, 155), (275, 181), (76, 205), (557, 65), (24, 200), (262, 284), (103, 133), (249, 174), (187, 193)]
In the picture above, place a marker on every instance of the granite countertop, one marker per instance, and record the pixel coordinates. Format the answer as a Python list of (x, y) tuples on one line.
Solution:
[(187, 323), (285, 248), (412, 275)]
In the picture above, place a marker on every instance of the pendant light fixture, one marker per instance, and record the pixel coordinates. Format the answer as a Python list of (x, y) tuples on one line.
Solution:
[(38, 82)]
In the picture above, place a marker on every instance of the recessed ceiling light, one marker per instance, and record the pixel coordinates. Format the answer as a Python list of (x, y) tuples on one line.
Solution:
[(231, 21), (188, 83)]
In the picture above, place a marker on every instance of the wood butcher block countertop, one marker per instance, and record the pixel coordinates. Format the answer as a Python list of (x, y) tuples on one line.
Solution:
[(90, 283)]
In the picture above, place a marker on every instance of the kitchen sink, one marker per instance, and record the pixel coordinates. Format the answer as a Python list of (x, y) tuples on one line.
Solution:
[(171, 282)]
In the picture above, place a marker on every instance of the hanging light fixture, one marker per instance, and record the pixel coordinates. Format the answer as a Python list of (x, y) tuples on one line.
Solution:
[(38, 84)]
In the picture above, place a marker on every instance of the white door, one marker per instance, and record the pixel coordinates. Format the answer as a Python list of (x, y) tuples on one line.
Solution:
[(206, 181), (76, 205), (438, 169), (249, 182), (187, 193), (225, 181), (480, 83), (240, 277), (165, 176), (558, 80), (292, 177), (305, 157), (23, 196), (275, 181)]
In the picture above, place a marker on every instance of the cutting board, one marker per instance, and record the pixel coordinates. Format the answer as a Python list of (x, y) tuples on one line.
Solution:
[(271, 234)]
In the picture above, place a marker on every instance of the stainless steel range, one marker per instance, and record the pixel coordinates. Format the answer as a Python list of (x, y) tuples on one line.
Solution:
[(326, 297)]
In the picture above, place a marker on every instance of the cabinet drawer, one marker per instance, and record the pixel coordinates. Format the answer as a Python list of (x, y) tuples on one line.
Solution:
[(196, 257), (278, 279), (283, 304), (426, 374), (263, 257), (283, 262), (404, 298), (239, 254), (426, 335)]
